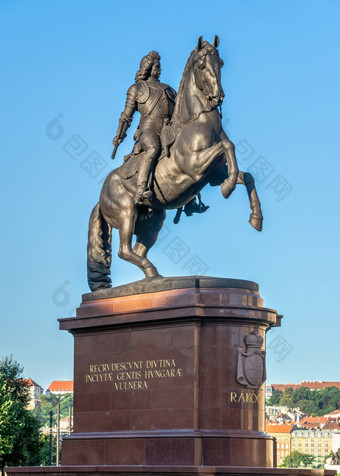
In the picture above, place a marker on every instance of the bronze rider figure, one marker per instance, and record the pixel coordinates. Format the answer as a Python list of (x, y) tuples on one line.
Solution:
[(155, 103)]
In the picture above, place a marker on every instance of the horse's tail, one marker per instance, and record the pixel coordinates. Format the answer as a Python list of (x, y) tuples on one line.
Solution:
[(98, 251)]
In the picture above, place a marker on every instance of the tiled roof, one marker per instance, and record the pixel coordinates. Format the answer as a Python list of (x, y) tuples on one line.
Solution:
[(311, 385), (331, 425), (334, 414), (61, 386), (315, 419), (32, 383), (313, 422), (280, 428)]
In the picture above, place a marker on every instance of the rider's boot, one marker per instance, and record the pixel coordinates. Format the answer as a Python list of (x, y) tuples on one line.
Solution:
[(195, 207), (143, 193), (203, 208)]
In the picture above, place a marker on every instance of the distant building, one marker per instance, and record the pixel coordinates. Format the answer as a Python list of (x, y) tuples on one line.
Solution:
[(332, 424), (280, 414), (313, 385), (35, 390), (282, 433), (335, 414), (317, 443), (269, 391), (60, 387), (313, 422)]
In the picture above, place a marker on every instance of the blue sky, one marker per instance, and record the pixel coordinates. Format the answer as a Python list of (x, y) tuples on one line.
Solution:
[(66, 68)]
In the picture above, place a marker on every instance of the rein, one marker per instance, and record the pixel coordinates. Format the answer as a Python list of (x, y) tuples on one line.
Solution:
[(201, 87)]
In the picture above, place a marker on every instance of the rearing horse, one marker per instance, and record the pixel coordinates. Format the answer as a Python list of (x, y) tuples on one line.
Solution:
[(200, 154)]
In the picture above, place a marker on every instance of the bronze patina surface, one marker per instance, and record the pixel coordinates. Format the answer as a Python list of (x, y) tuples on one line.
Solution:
[(150, 285), (180, 148)]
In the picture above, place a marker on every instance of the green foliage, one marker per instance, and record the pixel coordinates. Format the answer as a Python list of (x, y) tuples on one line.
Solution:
[(313, 402), (275, 397), (48, 403), (8, 415), (287, 399), (19, 428), (45, 450), (297, 460), (308, 406)]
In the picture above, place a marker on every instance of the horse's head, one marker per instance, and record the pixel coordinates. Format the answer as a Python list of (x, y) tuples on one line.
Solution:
[(207, 66)]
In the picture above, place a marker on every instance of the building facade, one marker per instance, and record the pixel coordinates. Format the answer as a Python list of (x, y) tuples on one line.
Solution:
[(314, 442), (282, 433), (35, 390)]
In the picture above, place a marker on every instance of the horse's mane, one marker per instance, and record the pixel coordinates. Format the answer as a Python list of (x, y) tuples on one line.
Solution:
[(179, 97)]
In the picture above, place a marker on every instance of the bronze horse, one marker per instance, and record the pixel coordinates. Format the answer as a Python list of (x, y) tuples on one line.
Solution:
[(200, 154)]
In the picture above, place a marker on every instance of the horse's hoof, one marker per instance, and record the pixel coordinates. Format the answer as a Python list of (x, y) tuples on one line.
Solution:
[(227, 190), (100, 286), (256, 222), (151, 272)]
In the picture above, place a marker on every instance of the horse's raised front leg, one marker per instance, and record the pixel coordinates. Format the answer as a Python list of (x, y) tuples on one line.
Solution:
[(256, 217), (197, 163), (229, 184), (147, 229), (128, 219)]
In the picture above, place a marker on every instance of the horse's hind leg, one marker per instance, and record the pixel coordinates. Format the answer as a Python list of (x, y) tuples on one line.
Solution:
[(147, 232), (256, 217), (126, 231)]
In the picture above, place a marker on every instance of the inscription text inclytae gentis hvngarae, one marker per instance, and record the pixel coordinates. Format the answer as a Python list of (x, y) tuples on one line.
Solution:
[(133, 375)]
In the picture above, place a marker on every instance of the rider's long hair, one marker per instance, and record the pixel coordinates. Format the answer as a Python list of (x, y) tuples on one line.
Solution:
[(146, 65)]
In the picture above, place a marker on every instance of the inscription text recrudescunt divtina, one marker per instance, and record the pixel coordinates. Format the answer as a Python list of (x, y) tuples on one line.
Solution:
[(133, 375)]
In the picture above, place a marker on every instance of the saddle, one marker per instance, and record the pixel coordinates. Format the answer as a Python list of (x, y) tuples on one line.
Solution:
[(131, 161)]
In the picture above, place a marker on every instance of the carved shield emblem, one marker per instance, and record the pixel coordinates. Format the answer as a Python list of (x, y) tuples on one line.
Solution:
[(251, 367)]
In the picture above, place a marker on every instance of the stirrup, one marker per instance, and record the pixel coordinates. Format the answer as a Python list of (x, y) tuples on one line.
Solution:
[(141, 195)]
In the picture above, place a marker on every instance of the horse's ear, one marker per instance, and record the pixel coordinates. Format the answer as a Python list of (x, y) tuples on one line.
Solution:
[(216, 41), (200, 43)]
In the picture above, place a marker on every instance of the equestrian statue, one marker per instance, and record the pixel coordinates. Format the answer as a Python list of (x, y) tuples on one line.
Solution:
[(180, 147)]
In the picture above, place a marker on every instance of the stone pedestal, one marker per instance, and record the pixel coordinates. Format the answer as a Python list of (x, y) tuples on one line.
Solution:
[(155, 376), (169, 378)]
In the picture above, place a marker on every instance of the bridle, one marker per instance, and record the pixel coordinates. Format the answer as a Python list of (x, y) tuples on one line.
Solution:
[(198, 66)]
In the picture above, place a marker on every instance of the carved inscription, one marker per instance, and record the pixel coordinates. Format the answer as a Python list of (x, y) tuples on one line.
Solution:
[(237, 398), (133, 375)]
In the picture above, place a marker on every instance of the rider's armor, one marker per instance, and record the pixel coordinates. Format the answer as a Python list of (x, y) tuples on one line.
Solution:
[(155, 103)]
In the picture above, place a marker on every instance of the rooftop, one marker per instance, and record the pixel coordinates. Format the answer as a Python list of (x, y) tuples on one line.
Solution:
[(61, 386), (313, 385), (32, 383), (279, 428)]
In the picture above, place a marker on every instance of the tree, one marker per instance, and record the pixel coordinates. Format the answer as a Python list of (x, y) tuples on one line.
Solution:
[(307, 406), (48, 403), (314, 402), (275, 397), (8, 413), (302, 393), (19, 428), (287, 398), (45, 450), (296, 460)]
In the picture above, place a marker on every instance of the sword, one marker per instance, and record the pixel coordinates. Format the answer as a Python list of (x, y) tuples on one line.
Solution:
[(114, 152)]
